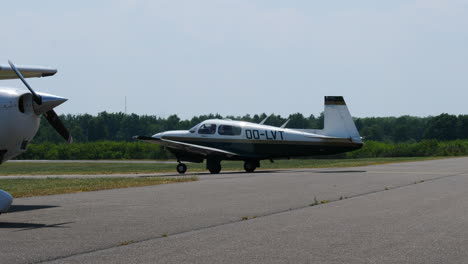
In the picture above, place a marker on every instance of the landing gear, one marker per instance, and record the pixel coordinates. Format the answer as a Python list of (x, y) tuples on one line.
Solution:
[(181, 168), (251, 165), (213, 165)]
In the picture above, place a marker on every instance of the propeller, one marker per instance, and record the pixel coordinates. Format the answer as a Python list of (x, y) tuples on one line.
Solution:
[(36, 98), (50, 115), (56, 123)]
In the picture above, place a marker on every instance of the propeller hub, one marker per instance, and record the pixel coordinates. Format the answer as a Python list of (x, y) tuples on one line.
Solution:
[(49, 102)]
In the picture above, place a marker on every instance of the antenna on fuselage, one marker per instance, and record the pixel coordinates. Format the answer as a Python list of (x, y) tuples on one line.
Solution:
[(264, 120), (285, 123)]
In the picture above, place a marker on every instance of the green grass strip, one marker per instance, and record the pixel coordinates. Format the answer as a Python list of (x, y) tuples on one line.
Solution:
[(37, 187), (133, 168)]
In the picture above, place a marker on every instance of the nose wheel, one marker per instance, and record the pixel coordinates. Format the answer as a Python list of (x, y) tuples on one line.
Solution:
[(181, 168)]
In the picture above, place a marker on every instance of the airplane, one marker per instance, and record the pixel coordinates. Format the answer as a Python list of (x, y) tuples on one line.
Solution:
[(216, 140), (20, 115)]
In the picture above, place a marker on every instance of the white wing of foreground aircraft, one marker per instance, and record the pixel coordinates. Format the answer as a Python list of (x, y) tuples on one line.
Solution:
[(216, 140), (20, 112)]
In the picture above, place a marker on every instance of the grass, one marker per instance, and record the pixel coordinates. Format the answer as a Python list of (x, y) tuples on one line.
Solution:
[(125, 243), (125, 168), (36, 187)]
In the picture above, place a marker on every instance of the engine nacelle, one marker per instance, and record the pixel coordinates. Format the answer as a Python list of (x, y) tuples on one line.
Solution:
[(5, 201), (18, 122)]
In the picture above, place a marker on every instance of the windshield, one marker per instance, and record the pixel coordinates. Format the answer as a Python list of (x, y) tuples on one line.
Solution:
[(193, 129)]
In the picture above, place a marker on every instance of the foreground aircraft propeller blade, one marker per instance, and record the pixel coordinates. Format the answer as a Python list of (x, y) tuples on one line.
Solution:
[(36, 98), (56, 123), (50, 115)]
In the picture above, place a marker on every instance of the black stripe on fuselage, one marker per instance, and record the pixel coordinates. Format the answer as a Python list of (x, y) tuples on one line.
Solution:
[(264, 149)]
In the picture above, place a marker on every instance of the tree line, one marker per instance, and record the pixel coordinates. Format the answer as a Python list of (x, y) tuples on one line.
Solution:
[(109, 135), (122, 127), (109, 150)]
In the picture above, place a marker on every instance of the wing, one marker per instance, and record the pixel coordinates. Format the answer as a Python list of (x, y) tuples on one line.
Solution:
[(27, 71), (191, 148)]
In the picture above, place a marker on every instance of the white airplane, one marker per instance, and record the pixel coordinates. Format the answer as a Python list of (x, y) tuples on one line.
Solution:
[(20, 115), (216, 140)]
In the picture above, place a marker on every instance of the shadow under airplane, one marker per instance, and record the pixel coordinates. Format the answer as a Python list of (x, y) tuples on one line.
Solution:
[(21, 208), (30, 226)]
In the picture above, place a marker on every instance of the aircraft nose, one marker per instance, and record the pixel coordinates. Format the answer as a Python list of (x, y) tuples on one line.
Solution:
[(49, 102), (158, 135), (53, 100)]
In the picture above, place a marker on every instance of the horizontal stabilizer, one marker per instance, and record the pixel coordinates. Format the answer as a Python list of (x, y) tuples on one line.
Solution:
[(147, 139)]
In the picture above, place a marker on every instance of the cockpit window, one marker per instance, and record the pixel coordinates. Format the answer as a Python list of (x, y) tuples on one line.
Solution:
[(229, 130), (207, 129)]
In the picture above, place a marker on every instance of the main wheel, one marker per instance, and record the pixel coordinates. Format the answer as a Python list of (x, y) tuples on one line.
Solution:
[(215, 169), (213, 165), (181, 168), (250, 166)]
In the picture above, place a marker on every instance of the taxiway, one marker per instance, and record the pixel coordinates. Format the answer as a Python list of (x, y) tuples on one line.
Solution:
[(397, 213)]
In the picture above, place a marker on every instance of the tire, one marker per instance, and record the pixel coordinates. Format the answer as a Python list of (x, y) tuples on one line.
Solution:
[(213, 165), (215, 169), (250, 166), (181, 168)]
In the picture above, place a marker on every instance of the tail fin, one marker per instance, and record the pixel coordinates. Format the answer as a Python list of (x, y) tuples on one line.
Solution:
[(337, 119)]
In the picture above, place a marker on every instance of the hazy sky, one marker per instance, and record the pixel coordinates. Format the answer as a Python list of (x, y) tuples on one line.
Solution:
[(388, 58)]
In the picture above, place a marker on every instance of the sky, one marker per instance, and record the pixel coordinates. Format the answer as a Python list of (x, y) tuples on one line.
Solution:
[(236, 57)]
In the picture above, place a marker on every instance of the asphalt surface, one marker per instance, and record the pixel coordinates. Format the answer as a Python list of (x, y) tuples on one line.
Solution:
[(398, 213)]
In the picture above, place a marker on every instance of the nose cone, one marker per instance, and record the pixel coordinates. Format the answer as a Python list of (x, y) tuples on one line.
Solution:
[(158, 135), (5, 201), (49, 102)]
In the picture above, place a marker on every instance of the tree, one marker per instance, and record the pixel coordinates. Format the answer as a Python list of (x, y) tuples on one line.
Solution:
[(441, 127)]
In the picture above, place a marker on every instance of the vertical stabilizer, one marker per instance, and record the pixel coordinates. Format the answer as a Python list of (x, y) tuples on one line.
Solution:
[(337, 119)]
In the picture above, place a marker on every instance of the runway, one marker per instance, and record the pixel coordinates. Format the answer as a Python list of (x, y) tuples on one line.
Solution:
[(398, 213)]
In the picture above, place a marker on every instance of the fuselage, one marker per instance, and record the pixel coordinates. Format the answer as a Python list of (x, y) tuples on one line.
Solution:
[(18, 122), (255, 141)]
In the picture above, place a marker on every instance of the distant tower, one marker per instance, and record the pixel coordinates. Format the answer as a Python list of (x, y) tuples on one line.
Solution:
[(125, 104)]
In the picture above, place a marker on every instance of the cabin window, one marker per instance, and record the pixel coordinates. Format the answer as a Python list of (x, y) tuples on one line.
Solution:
[(207, 129), (229, 130)]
